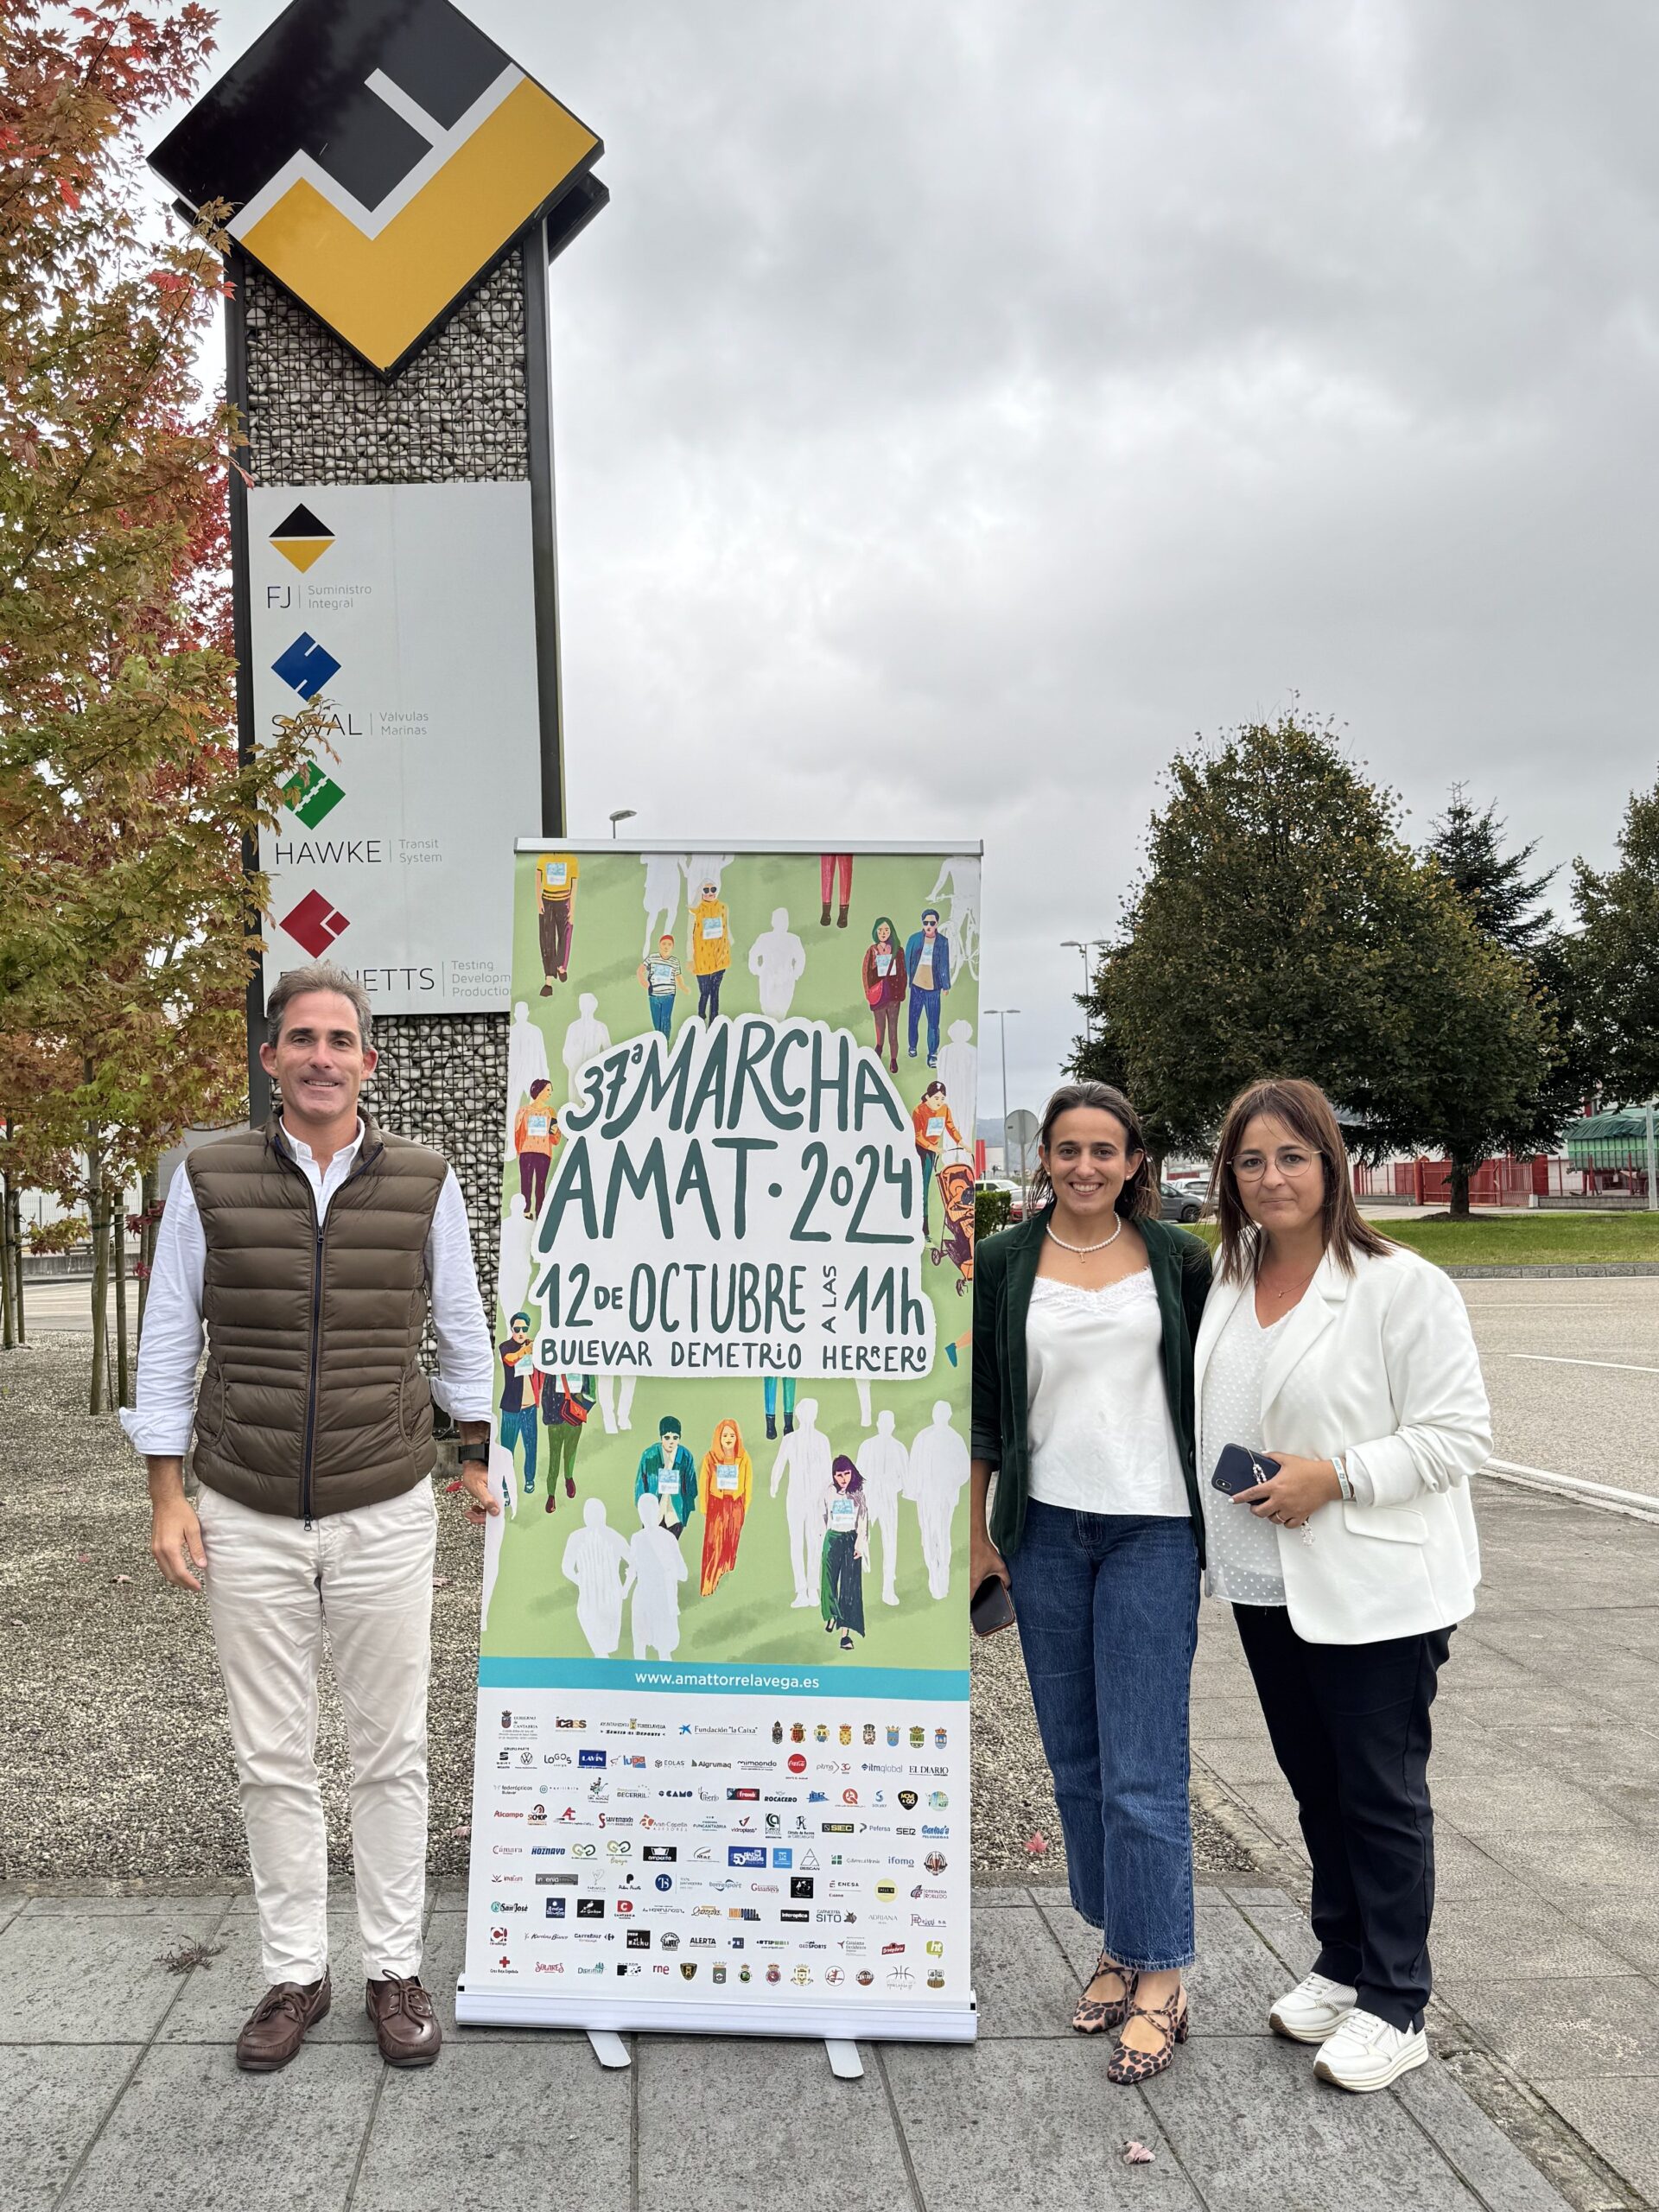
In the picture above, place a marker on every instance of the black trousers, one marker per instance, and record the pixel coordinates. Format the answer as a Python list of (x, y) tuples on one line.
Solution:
[(1350, 1728)]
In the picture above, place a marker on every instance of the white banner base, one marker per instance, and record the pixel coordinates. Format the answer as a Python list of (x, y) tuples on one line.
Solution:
[(500, 2008)]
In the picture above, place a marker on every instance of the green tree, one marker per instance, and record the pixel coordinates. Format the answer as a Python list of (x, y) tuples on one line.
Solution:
[(125, 921), (1615, 957), (1493, 884), (1502, 900), (1282, 926)]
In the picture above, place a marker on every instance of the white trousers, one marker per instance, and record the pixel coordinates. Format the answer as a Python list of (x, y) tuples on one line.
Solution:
[(274, 1588)]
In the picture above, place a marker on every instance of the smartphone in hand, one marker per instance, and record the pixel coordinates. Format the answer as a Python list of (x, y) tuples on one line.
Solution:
[(1239, 1468)]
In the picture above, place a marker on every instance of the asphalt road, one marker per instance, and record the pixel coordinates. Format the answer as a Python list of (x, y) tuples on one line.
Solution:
[(1572, 1366)]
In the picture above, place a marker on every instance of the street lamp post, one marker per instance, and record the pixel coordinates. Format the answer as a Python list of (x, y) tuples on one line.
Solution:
[(1076, 945), (622, 814)]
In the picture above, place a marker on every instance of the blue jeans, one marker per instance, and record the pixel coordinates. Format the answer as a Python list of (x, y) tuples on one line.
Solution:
[(924, 1002), (1108, 1608), (662, 1012), (519, 1427)]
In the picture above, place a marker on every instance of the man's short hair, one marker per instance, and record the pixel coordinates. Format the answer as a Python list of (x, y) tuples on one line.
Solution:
[(930, 914), (319, 976), (525, 1317)]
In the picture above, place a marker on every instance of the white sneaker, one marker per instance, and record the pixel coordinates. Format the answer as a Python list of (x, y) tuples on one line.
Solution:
[(1366, 2053), (1316, 2008)]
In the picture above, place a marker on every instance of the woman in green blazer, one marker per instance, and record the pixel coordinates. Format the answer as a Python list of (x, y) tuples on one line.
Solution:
[(1084, 1316)]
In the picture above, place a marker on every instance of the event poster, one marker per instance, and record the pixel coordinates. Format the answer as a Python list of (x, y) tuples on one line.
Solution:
[(722, 1758)]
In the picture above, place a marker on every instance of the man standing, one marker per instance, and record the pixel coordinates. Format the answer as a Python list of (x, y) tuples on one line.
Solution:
[(927, 963), (668, 1472), (885, 1464), (556, 907), (939, 1466), (520, 1392), (306, 1251)]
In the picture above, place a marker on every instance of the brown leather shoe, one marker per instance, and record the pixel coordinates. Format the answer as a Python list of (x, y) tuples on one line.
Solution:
[(276, 2028), (405, 2026)]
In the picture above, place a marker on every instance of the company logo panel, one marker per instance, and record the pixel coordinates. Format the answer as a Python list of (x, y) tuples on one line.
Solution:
[(376, 160)]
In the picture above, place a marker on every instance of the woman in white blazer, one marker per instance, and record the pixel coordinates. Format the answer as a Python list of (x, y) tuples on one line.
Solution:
[(1350, 1362)]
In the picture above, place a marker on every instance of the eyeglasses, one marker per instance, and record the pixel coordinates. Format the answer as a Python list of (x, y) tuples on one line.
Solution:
[(1289, 1159)]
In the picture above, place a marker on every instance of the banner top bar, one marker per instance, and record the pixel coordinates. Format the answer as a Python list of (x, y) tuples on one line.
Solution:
[(970, 847)]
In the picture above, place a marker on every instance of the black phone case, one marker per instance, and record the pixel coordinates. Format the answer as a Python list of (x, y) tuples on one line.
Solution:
[(1239, 1468), (991, 1607)]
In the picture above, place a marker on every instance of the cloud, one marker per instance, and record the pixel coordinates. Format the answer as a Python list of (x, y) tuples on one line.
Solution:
[(959, 406)]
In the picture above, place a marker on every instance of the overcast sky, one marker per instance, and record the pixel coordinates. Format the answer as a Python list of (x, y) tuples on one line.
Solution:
[(959, 406)]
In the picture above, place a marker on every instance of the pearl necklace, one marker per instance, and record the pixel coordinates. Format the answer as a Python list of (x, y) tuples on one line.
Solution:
[(1082, 1249)]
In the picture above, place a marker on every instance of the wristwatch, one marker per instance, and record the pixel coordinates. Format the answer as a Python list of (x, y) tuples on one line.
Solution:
[(479, 1449)]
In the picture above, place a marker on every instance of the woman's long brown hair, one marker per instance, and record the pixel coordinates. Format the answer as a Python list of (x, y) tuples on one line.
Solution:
[(1306, 1113)]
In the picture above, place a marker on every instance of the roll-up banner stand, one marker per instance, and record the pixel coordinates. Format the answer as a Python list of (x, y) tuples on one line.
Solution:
[(723, 1764)]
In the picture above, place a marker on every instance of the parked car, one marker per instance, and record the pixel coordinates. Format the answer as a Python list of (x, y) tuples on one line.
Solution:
[(1182, 1201), (1016, 1200)]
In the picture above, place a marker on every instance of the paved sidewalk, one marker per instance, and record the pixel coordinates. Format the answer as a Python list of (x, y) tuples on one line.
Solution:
[(1546, 1783), (118, 2087)]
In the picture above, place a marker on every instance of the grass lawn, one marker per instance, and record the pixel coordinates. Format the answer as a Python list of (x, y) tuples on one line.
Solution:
[(1529, 1240)]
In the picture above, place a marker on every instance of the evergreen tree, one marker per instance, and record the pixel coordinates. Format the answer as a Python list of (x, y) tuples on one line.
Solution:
[(1491, 883), (1615, 955)]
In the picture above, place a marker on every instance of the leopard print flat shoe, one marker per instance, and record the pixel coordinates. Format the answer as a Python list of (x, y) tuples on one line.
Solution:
[(1095, 2015), (1129, 2065)]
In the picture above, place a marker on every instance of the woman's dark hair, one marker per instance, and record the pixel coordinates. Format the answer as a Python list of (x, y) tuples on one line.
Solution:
[(540, 1084), (875, 930), (1138, 1195), (843, 1464), (1306, 1113)]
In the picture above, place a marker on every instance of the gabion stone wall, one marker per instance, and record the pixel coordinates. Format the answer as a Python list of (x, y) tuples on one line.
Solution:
[(457, 414), (317, 415)]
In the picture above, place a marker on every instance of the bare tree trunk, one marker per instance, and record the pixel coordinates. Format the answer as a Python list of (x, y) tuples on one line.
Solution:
[(6, 1272), (14, 1214), (118, 1233), (1460, 1174), (147, 1203), (100, 1279)]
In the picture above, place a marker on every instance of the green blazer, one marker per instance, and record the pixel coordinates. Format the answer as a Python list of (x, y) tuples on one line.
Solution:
[(1005, 1267)]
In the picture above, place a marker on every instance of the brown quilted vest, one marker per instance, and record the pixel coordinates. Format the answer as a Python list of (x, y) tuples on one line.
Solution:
[(314, 1401)]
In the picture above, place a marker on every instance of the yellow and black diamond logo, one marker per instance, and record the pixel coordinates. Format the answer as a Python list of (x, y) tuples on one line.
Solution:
[(378, 157), (301, 539)]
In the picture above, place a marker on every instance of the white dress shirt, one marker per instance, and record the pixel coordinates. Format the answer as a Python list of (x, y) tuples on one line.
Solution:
[(170, 1350)]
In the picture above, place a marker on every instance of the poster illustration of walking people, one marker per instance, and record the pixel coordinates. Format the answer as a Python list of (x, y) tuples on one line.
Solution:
[(722, 1761)]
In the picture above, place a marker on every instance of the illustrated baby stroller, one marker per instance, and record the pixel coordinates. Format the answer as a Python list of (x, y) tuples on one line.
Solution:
[(954, 1181)]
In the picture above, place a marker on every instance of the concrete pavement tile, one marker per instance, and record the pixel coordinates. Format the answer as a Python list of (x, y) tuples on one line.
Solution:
[(442, 1961), (1489, 1804), (1272, 1803), (190, 2132), (1492, 1703), (1608, 1917), (217, 1998), (1512, 1933), (712, 2122), (1634, 1628), (1217, 1719), (447, 1900), (1258, 2133), (86, 1908), (53, 2098), (1465, 1869), (1246, 1762), (1024, 1985), (1606, 2026), (1530, 1634), (1620, 2118), (1561, 1864), (1027, 2127), (1481, 2153), (1255, 1893), (1287, 1940), (1002, 1900), (484, 2128), (71, 1978)]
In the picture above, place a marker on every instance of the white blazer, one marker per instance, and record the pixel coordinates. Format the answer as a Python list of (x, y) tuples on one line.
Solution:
[(1379, 1364)]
